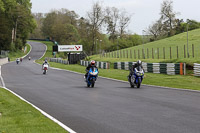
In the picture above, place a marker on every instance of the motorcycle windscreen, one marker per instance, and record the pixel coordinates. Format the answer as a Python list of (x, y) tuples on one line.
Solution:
[(93, 71)]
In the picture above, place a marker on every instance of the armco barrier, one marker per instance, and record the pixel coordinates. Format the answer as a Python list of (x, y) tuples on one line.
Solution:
[(164, 68), (58, 60), (103, 65), (3, 61), (196, 69)]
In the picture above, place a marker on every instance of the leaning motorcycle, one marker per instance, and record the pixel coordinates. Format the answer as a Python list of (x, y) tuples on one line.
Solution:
[(136, 77), (45, 68), (92, 76)]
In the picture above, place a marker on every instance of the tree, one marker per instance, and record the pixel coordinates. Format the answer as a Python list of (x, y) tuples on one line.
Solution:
[(112, 19), (16, 23), (156, 30), (168, 17), (95, 18), (124, 20), (37, 33)]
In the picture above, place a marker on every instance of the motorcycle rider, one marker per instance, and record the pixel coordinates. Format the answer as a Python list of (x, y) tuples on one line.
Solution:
[(45, 62), (92, 64), (17, 60), (132, 69)]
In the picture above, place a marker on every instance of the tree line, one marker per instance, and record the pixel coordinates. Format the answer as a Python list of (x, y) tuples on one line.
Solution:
[(16, 22), (103, 28)]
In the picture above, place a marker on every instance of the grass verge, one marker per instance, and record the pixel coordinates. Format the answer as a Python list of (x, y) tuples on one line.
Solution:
[(19, 117), (18, 53)]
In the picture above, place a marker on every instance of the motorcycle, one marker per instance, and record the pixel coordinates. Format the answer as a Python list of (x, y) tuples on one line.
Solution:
[(92, 76), (45, 68), (17, 61), (136, 77)]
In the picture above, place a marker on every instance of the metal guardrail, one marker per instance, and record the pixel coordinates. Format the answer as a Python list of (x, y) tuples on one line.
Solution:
[(58, 60)]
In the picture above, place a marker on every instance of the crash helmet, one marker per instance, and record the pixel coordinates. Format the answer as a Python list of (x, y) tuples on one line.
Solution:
[(92, 62), (45, 61), (139, 63)]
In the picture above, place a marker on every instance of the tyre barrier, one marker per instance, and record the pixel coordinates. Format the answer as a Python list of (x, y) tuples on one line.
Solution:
[(196, 69), (163, 68), (102, 65)]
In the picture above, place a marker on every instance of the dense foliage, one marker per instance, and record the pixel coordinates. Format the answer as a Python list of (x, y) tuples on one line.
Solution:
[(16, 22)]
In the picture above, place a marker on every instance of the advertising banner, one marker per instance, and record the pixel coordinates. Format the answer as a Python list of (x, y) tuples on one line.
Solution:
[(70, 48)]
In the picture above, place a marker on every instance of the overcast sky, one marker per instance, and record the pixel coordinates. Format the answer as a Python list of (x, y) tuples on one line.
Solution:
[(145, 12)]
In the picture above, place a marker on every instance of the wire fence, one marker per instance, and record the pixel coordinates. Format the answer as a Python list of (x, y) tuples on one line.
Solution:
[(173, 52)]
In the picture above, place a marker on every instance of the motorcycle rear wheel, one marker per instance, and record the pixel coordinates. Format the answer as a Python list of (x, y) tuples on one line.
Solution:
[(132, 86), (44, 72)]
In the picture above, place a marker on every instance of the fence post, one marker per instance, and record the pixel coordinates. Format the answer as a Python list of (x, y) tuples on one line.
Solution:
[(164, 52), (147, 53), (117, 53), (127, 53), (138, 54), (120, 53), (177, 51), (193, 50), (130, 53), (152, 54), (134, 54), (184, 52), (158, 52), (142, 53), (112, 54), (170, 49)]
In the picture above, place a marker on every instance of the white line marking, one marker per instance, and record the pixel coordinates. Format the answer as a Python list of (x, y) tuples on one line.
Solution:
[(28, 52), (41, 111), (44, 52), (44, 113), (2, 81)]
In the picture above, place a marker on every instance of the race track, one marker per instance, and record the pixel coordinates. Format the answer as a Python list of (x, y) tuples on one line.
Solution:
[(110, 107)]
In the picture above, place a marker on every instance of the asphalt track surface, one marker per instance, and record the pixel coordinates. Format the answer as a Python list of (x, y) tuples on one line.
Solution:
[(109, 107)]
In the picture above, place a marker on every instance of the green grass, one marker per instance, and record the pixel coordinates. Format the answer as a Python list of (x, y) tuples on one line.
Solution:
[(20, 117), (178, 40), (19, 53), (174, 81)]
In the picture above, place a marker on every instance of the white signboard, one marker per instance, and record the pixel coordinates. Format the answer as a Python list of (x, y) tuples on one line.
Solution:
[(69, 48)]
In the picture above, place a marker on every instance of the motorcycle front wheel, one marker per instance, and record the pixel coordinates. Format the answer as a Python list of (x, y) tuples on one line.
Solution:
[(93, 82), (139, 83)]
